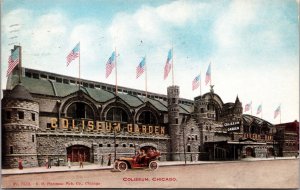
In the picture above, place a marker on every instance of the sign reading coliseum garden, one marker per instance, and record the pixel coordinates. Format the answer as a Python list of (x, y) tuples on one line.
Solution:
[(105, 126), (232, 126)]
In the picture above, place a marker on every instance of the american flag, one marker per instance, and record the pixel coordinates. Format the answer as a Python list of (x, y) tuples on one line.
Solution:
[(248, 106), (259, 109), (73, 54), (208, 75), (140, 68), (13, 60), (110, 64), (277, 112), (168, 64), (196, 82)]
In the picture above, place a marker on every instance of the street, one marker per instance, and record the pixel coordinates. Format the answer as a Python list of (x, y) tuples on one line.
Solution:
[(255, 174)]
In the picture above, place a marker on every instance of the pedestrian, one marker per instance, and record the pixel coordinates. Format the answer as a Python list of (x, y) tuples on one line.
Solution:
[(109, 160), (80, 161), (69, 162), (58, 162), (102, 160), (20, 164), (47, 162)]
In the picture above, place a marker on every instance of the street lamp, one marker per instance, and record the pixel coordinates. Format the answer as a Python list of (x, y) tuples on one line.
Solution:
[(273, 135), (115, 148), (184, 153)]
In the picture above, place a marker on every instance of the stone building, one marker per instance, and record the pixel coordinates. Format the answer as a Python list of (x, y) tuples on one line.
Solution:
[(50, 116), (287, 136)]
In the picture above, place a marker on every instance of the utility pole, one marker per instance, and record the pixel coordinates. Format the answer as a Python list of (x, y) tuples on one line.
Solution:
[(184, 152), (115, 148)]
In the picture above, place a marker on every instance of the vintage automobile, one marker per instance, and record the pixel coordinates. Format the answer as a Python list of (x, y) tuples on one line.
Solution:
[(148, 160)]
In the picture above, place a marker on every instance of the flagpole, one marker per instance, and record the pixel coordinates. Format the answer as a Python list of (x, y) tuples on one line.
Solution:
[(251, 107), (200, 83), (146, 77), (116, 72), (261, 115), (79, 67), (280, 113), (210, 74), (172, 67), (20, 63)]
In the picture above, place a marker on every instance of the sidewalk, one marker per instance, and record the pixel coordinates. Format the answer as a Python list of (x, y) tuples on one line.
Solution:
[(16, 171)]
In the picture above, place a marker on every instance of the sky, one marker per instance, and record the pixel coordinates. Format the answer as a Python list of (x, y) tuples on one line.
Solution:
[(252, 45)]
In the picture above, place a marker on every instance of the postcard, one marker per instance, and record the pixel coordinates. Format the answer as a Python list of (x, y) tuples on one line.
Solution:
[(150, 94)]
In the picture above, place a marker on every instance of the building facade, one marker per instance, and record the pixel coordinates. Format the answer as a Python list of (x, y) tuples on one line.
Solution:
[(46, 115), (287, 136)]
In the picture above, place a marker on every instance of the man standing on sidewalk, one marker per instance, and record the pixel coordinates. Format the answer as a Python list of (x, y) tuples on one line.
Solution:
[(102, 160), (80, 161), (109, 160), (69, 162), (20, 164), (49, 162)]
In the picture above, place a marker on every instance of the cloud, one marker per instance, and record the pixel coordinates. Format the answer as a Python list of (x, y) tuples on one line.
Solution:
[(49, 31), (248, 49), (180, 12), (240, 14)]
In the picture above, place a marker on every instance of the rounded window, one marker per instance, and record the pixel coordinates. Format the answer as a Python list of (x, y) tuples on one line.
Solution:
[(147, 117), (117, 114), (80, 110)]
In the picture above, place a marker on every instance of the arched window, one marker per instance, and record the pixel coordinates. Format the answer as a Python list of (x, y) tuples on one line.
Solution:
[(147, 117), (117, 114), (80, 110)]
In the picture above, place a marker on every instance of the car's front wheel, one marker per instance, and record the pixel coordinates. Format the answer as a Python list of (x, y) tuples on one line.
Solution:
[(153, 165), (122, 166)]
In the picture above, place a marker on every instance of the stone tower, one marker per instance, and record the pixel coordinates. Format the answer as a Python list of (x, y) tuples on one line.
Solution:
[(173, 118), (238, 112), (238, 109), (19, 124), (200, 108)]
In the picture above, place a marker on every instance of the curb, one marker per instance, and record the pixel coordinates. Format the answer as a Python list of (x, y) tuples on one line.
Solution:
[(161, 165)]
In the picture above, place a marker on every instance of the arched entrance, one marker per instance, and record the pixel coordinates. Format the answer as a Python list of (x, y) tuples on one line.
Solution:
[(249, 151), (74, 152)]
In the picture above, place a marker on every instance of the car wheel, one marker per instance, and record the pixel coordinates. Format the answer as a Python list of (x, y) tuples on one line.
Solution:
[(122, 166), (153, 165)]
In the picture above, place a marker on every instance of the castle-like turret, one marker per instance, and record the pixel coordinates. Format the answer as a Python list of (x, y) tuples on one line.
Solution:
[(20, 122), (200, 110), (238, 109), (173, 117)]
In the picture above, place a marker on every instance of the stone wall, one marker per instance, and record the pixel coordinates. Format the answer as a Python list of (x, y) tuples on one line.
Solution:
[(47, 104), (55, 146), (18, 134), (16, 106)]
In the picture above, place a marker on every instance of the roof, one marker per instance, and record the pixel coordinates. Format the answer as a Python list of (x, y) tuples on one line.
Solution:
[(249, 119), (131, 100), (48, 87), (19, 92), (185, 109), (156, 103), (35, 86)]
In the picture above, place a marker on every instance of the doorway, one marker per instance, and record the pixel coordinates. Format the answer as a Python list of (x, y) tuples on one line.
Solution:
[(74, 152)]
